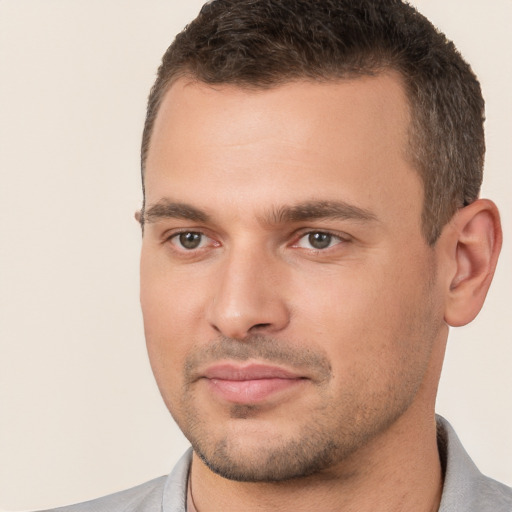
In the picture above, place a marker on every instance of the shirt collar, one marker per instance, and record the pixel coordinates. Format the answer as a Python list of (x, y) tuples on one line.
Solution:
[(175, 491)]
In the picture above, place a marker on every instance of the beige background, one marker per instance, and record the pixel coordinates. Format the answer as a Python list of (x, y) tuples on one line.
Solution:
[(80, 415)]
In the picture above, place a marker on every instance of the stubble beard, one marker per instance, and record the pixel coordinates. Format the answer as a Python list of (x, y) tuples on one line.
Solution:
[(320, 440)]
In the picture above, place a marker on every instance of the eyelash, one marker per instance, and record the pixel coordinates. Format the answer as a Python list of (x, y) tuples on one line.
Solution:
[(176, 237), (329, 237), (338, 238)]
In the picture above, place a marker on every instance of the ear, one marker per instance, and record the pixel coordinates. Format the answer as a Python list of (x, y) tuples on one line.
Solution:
[(138, 216), (474, 241)]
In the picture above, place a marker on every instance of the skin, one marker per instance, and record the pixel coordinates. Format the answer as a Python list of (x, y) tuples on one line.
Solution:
[(257, 179)]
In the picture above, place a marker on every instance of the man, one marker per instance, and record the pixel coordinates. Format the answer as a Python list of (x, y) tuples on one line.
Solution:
[(311, 227)]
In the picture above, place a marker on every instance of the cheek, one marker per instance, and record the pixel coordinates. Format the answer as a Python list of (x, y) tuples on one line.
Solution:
[(374, 320), (336, 303), (163, 317), (173, 301), (170, 298)]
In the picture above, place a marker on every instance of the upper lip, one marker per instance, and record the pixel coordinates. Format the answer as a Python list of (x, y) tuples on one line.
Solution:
[(230, 371)]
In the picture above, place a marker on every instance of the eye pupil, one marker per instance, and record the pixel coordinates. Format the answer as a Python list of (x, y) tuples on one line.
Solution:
[(190, 240), (320, 240)]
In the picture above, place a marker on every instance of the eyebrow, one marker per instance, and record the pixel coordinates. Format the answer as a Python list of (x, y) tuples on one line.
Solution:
[(166, 209), (320, 210), (305, 211)]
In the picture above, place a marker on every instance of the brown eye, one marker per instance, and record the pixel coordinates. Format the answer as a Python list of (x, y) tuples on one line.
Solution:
[(190, 240), (320, 240)]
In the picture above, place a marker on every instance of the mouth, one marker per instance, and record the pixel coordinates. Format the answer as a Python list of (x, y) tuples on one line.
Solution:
[(251, 383)]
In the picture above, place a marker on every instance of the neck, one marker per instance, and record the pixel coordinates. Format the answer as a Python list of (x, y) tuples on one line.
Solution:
[(400, 470), (397, 471)]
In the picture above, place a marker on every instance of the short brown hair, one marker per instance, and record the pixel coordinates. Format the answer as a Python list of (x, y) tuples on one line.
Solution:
[(264, 43)]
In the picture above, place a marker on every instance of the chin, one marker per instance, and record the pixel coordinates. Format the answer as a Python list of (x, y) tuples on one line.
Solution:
[(264, 458)]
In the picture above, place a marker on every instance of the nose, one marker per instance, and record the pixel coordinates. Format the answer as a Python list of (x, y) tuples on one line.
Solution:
[(249, 296)]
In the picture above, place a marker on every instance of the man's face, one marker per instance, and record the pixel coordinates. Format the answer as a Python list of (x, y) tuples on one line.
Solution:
[(289, 298)]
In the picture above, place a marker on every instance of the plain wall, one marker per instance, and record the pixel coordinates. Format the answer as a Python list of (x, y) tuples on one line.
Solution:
[(80, 414)]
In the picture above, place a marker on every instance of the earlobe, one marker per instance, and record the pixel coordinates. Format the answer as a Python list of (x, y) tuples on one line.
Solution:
[(477, 240)]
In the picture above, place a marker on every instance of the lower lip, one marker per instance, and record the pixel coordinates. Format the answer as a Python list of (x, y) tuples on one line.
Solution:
[(251, 391)]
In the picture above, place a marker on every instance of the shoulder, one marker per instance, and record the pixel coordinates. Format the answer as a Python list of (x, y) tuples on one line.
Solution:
[(166, 493), (466, 489), (493, 496), (146, 497)]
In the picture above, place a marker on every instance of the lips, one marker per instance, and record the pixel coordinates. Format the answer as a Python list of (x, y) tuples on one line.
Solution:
[(249, 384)]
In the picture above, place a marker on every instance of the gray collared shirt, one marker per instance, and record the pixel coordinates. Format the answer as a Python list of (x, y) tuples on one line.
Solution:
[(465, 488)]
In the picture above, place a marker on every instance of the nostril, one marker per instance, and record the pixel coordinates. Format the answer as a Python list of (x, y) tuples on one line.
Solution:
[(259, 326)]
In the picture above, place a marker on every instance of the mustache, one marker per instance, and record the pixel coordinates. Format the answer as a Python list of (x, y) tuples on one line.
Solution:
[(312, 362)]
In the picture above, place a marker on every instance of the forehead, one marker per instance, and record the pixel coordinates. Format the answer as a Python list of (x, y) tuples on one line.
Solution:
[(379, 99), (323, 141)]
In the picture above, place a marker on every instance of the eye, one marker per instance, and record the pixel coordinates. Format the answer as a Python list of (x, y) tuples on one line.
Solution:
[(189, 240), (318, 240)]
